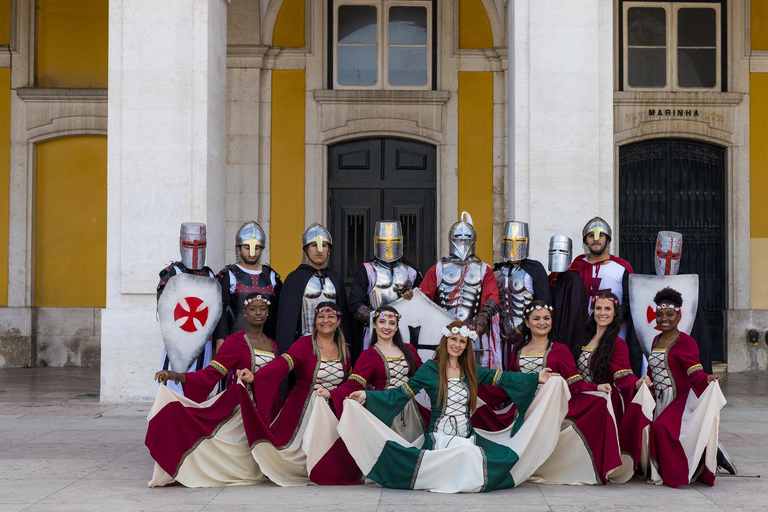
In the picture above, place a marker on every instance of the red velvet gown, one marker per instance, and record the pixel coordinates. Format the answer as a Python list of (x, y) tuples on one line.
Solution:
[(201, 443), (375, 371), (301, 445)]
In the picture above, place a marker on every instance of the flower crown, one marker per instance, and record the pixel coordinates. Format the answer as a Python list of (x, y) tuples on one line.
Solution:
[(464, 331), (260, 297), (603, 296), (537, 307), (377, 314), (667, 306), (337, 311)]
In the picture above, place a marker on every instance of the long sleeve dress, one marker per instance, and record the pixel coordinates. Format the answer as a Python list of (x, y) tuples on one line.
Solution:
[(685, 422), (375, 371), (301, 446), (201, 443), (587, 450), (452, 456)]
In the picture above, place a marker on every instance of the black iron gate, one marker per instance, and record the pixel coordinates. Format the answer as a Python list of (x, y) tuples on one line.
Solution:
[(381, 179), (678, 185)]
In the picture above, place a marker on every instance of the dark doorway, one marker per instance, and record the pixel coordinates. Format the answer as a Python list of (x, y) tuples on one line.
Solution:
[(379, 179), (678, 185)]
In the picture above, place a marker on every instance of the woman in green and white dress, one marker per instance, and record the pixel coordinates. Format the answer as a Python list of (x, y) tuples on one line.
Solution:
[(452, 456)]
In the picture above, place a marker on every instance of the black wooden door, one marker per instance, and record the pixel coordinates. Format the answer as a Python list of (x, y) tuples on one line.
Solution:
[(381, 179), (678, 185)]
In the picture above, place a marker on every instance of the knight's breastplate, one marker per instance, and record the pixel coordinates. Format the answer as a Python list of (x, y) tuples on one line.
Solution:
[(245, 285), (390, 283), (513, 298), (318, 289), (460, 290)]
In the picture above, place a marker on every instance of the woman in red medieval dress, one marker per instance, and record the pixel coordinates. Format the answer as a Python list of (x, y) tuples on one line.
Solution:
[(199, 442)]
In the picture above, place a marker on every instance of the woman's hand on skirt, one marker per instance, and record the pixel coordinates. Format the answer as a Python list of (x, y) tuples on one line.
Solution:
[(605, 388), (244, 375), (357, 396), (322, 392), (545, 374), (163, 376), (643, 380)]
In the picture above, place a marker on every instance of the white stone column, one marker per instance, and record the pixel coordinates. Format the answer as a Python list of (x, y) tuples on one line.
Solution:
[(167, 126)]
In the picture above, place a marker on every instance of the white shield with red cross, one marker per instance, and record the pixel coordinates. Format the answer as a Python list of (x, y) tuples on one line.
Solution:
[(188, 310), (643, 288)]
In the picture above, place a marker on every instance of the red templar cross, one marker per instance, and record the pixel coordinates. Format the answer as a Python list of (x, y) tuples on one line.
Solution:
[(651, 314), (195, 312)]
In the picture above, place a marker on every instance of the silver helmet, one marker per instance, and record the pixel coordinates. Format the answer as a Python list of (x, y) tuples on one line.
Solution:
[(316, 234), (462, 237), (560, 249), (596, 226), (192, 245), (669, 249), (514, 246), (252, 235), (388, 240)]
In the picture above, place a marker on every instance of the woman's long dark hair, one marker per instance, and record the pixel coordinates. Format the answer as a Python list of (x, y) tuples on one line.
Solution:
[(526, 331), (397, 339), (601, 359), (466, 363)]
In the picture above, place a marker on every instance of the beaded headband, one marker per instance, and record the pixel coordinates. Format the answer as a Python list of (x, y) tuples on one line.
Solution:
[(603, 296), (537, 307), (328, 308), (377, 314), (667, 306), (464, 331), (260, 297)]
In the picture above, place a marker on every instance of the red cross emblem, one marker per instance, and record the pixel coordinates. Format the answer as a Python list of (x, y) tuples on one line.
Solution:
[(196, 311), (651, 314)]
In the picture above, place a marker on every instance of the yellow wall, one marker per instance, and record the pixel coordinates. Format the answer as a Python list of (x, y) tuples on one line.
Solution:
[(476, 155), (758, 156), (5, 178), (287, 169), (474, 27), (5, 22), (72, 38), (289, 26), (71, 222), (759, 24)]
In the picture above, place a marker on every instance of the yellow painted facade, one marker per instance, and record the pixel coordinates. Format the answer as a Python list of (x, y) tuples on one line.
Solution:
[(759, 24), (287, 168), (290, 25), (5, 177), (5, 22), (71, 222), (474, 27), (758, 156), (476, 155), (72, 43)]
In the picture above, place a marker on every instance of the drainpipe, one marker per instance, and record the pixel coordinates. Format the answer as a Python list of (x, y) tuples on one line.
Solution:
[(511, 110)]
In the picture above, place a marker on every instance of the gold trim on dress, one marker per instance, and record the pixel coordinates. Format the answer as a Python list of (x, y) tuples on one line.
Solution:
[(220, 367), (573, 378), (694, 368), (289, 359), (359, 378), (622, 373)]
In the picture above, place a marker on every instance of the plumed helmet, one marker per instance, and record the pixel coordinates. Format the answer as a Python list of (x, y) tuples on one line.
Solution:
[(192, 244), (560, 250), (316, 234), (388, 240), (669, 250), (252, 235), (514, 246), (462, 237)]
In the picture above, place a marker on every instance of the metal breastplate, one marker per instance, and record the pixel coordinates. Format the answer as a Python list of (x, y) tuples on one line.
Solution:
[(460, 290), (513, 298), (318, 289), (390, 282)]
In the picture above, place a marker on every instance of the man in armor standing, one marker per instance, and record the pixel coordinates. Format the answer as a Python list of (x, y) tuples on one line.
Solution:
[(192, 245), (310, 284), (569, 297), (466, 287), (384, 279), (244, 277), (520, 280)]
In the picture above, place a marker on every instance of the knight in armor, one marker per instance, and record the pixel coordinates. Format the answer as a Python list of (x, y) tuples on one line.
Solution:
[(520, 280), (569, 297), (466, 288), (192, 245), (306, 287), (384, 279), (243, 278), (603, 272)]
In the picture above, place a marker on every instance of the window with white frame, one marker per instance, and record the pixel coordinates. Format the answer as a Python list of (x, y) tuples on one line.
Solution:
[(384, 44), (671, 46)]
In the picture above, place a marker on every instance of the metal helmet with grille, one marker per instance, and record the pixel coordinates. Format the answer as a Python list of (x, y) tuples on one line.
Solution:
[(192, 244), (669, 250), (560, 250), (316, 234), (388, 240), (252, 235), (462, 237), (516, 241)]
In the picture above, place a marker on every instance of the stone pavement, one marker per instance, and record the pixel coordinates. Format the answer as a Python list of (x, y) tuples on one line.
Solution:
[(62, 450)]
